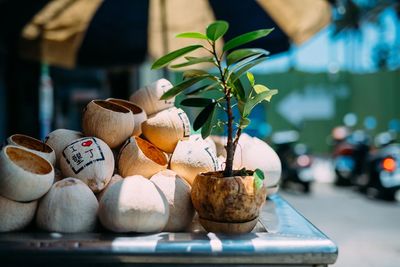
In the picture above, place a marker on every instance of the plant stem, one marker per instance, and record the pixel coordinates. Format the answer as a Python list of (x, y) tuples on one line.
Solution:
[(230, 147)]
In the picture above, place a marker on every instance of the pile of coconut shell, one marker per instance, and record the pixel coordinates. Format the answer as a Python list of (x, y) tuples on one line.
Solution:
[(130, 170)]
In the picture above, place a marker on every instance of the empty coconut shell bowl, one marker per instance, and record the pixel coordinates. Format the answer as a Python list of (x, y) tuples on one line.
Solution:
[(130, 169)]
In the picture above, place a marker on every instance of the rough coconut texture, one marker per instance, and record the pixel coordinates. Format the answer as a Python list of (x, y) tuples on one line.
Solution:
[(108, 121), (134, 204), (24, 176), (192, 157), (69, 207), (15, 215), (139, 116), (114, 179), (90, 160), (177, 192), (59, 139), (149, 96), (227, 199), (33, 145), (166, 128), (139, 157)]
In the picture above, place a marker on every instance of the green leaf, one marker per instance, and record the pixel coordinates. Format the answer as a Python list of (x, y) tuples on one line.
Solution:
[(216, 30), (245, 68), (259, 88), (195, 35), (238, 89), (193, 73), (252, 102), (177, 89), (165, 60), (193, 61), (203, 116), (246, 38), (244, 122), (251, 79), (240, 54), (197, 102), (245, 62), (203, 89), (207, 126), (258, 178)]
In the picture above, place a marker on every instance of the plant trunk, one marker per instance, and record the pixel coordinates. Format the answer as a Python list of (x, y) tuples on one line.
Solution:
[(228, 172)]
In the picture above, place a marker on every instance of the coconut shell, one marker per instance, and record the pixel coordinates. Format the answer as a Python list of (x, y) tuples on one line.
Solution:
[(59, 139), (139, 157), (108, 121), (33, 145), (24, 176), (69, 207), (208, 140), (90, 160), (139, 116), (15, 215), (115, 178), (193, 157), (166, 128), (134, 204), (149, 96), (177, 192)]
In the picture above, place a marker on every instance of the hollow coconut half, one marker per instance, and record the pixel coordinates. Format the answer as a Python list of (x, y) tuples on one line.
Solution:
[(134, 204), (59, 139), (108, 121), (166, 128), (33, 145), (24, 176), (149, 96), (69, 207), (139, 116), (15, 215), (139, 157), (193, 157), (90, 160), (177, 192)]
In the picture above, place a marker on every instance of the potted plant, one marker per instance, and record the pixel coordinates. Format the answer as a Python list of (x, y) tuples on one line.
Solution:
[(227, 201)]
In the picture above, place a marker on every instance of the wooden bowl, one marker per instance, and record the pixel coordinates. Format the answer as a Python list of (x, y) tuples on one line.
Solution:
[(228, 227), (139, 116), (24, 176), (108, 121), (33, 145), (139, 157)]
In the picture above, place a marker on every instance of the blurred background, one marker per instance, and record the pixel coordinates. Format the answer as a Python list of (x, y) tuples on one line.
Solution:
[(335, 123)]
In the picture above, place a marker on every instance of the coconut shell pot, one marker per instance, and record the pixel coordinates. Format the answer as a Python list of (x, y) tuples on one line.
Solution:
[(227, 204), (134, 204), (139, 116), (24, 176), (166, 128), (90, 160), (69, 207), (33, 145), (59, 139), (177, 192), (191, 157), (139, 157), (15, 215), (148, 97), (108, 121)]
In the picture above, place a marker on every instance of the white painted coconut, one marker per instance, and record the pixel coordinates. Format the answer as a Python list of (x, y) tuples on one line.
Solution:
[(220, 143), (149, 96), (69, 207), (24, 176), (15, 215), (33, 145), (191, 158), (139, 116), (134, 204), (90, 160), (166, 128), (108, 121), (115, 178), (221, 163), (139, 157), (177, 191), (59, 139), (210, 142)]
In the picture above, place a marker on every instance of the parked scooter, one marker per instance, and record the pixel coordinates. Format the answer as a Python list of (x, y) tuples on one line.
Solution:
[(296, 161)]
